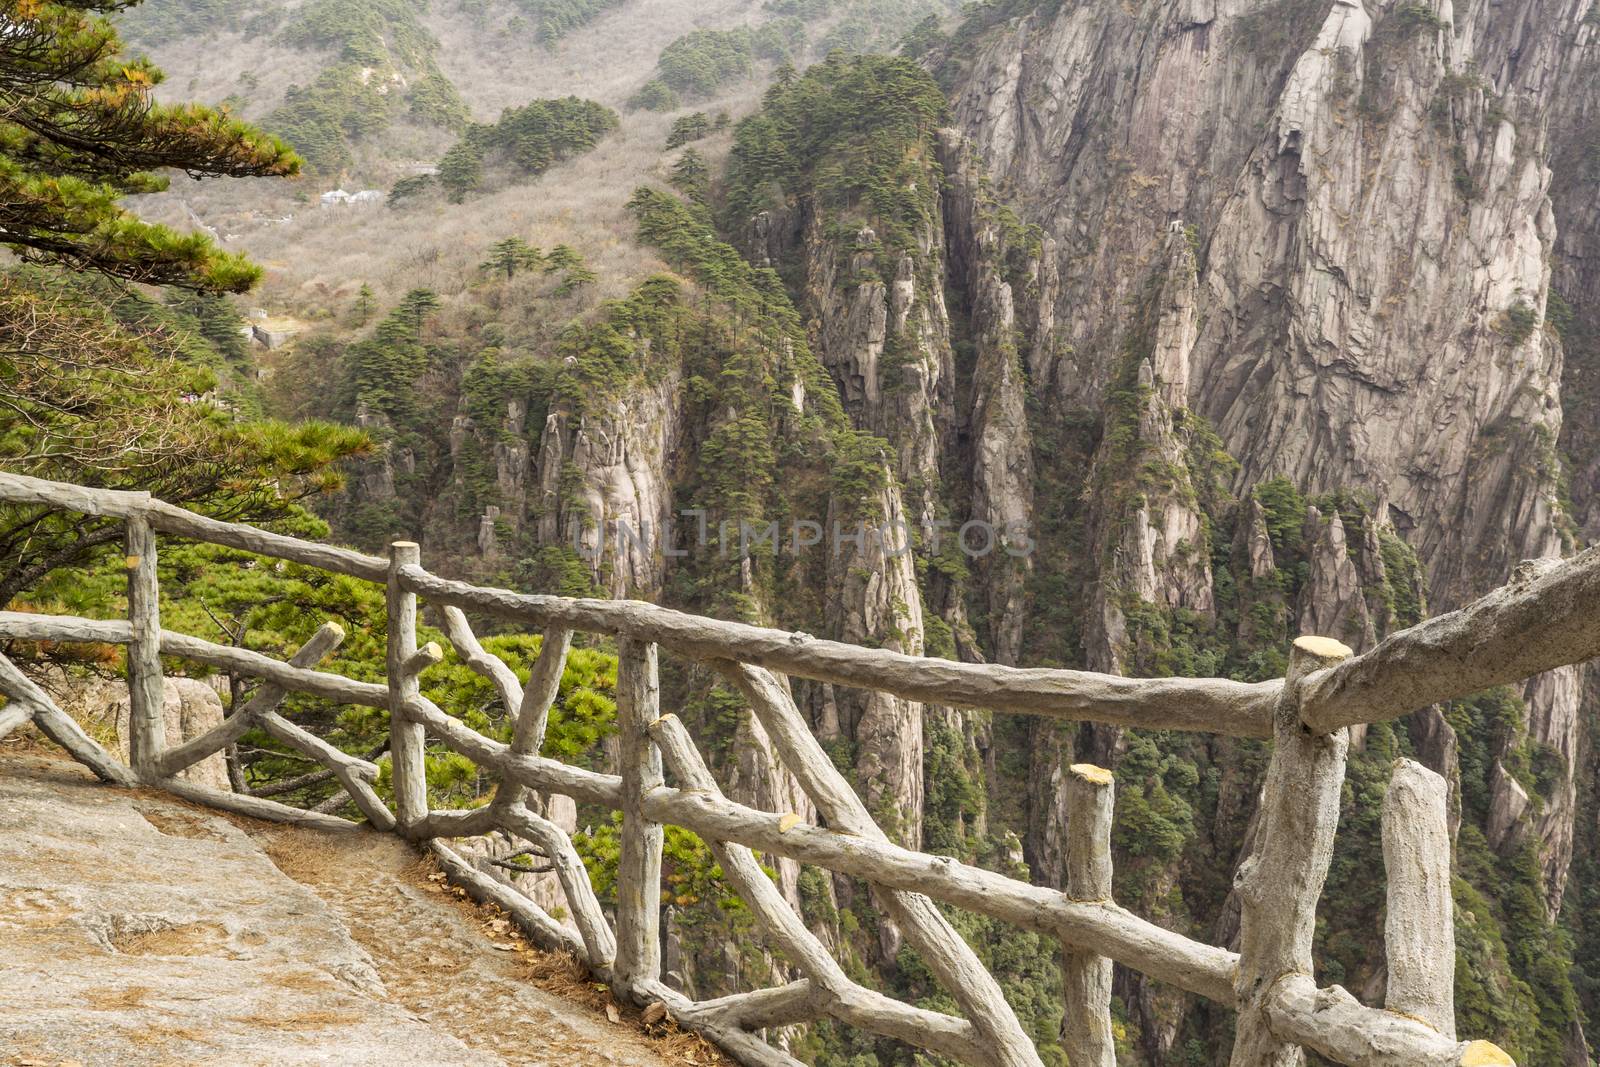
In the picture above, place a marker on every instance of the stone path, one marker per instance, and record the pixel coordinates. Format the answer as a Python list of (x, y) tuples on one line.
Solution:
[(136, 930)]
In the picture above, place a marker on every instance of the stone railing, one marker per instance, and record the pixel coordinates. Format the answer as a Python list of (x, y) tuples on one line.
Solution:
[(1548, 616)]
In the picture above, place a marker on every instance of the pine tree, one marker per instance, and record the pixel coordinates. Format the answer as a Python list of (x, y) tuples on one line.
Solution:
[(692, 176), (511, 255), (366, 304), (461, 169), (575, 271), (688, 128), (81, 130), (417, 305)]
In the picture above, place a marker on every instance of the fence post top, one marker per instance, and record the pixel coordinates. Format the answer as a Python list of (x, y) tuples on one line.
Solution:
[(1088, 772), (402, 552), (1485, 1054), (1323, 648)]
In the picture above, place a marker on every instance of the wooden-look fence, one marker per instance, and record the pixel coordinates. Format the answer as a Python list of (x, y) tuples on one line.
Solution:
[(1548, 616)]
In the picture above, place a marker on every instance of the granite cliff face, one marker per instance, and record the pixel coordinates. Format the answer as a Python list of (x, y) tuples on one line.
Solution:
[(1377, 198)]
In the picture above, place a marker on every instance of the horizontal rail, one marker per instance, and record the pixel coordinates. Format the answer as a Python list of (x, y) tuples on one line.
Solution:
[(1210, 705), (785, 1005), (549, 775), (1337, 1025), (1547, 616), (25, 626), (180, 522), (1107, 929), (255, 807), (1103, 927)]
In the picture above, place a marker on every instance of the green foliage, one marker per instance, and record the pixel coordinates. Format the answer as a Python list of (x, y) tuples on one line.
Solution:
[(1286, 514), (760, 458), (1027, 966), (81, 130), (461, 170), (575, 273), (554, 19), (953, 798), (1513, 969), (1492, 727), (687, 238), (159, 22), (1406, 579), (383, 69), (510, 255), (691, 176), (412, 185), (1558, 312), (856, 133), (1414, 18), (381, 371), (1519, 322), (527, 140), (582, 717), (868, 25), (272, 607), (1278, 29), (690, 875), (366, 303), (925, 37), (114, 389), (687, 129), (1153, 820), (699, 63), (655, 95), (1347, 949)]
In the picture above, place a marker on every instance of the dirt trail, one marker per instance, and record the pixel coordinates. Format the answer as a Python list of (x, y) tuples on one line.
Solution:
[(138, 931), (460, 967)]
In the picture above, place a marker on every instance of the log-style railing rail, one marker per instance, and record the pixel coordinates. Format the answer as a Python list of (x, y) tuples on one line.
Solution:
[(1548, 616)]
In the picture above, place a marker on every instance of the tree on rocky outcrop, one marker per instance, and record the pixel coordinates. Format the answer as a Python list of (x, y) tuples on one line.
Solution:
[(511, 255), (82, 130)]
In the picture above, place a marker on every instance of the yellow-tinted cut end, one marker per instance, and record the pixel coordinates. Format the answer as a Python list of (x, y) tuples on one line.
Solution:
[(1486, 1054), (1324, 647), (335, 629), (1090, 773), (132, 563), (789, 822)]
